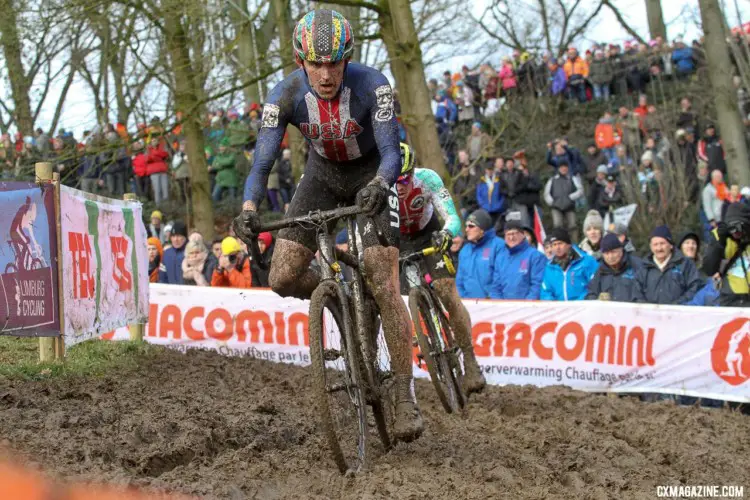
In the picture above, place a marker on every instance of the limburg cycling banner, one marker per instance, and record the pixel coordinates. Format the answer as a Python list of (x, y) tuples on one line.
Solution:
[(28, 260)]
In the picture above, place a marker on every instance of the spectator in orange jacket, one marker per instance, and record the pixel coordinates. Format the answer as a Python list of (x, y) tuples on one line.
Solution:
[(234, 266), (155, 254), (577, 70), (604, 135)]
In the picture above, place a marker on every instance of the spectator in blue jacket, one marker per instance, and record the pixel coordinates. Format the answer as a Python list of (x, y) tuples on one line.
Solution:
[(518, 268), (489, 193), (683, 59), (446, 111), (558, 79), (667, 276), (615, 277), (559, 153), (568, 275), (476, 260), (170, 269)]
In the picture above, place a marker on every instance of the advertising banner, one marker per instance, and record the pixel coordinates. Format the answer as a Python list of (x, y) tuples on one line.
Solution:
[(29, 301), (105, 264), (591, 346)]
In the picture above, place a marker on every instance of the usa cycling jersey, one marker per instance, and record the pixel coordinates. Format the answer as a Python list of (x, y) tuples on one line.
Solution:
[(357, 122), (428, 194)]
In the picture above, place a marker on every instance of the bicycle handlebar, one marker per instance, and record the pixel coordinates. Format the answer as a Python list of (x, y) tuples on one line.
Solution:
[(316, 217)]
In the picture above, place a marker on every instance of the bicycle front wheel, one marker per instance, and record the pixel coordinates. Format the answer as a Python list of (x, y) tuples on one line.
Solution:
[(337, 380), (433, 349)]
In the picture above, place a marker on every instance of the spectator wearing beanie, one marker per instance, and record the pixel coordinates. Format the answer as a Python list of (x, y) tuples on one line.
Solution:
[(610, 197), (567, 276), (621, 231), (260, 270), (615, 278), (234, 266), (170, 270), (155, 256), (561, 193), (593, 228), (689, 244), (476, 260), (518, 268), (666, 277)]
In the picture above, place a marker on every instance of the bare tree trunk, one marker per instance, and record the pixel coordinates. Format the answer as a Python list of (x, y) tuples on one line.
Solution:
[(401, 40), (187, 99), (245, 50), (284, 24), (656, 26), (19, 82), (725, 95)]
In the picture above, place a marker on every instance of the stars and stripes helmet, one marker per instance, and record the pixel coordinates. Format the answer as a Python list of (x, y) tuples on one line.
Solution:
[(323, 36)]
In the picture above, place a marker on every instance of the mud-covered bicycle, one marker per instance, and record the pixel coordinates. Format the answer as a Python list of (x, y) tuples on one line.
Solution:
[(350, 361), (434, 335)]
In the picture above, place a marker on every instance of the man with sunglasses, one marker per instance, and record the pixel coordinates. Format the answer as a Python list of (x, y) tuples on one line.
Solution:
[(423, 200)]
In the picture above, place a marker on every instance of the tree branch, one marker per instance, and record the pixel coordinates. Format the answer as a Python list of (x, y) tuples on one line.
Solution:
[(622, 21), (359, 3)]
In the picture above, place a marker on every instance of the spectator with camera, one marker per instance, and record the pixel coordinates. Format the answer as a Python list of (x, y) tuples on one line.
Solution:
[(731, 243), (234, 266)]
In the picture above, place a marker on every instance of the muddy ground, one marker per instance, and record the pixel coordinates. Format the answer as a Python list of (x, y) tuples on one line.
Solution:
[(238, 428)]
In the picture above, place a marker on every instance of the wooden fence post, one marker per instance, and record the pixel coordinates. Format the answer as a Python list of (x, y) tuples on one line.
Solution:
[(59, 341), (43, 173), (136, 331)]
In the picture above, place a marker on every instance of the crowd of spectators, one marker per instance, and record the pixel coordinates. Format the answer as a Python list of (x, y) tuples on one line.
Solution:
[(179, 257), (636, 155), (151, 162), (633, 157)]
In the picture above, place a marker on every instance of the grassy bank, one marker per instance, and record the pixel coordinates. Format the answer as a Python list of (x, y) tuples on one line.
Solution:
[(19, 358)]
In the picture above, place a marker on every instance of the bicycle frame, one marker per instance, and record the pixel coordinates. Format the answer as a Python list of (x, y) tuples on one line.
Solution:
[(416, 277)]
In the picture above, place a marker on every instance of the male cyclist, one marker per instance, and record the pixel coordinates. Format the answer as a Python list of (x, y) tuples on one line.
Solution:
[(421, 194), (345, 111)]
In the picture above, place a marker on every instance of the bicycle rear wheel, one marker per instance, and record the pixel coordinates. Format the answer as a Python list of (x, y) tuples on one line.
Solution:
[(436, 355), (338, 383)]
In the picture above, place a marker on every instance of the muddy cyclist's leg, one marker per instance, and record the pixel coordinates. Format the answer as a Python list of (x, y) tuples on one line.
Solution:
[(381, 264), (290, 274), (460, 322)]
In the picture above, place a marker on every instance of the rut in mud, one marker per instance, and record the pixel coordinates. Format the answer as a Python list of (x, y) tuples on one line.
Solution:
[(238, 428)]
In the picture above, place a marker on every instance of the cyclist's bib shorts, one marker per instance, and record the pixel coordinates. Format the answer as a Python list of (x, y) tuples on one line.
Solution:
[(434, 264), (327, 184)]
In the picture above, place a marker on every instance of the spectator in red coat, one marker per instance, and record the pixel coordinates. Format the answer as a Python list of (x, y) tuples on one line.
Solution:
[(157, 168), (139, 169)]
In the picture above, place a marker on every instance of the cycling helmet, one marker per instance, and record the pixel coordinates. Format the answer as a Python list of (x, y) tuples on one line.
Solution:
[(323, 36), (407, 159)]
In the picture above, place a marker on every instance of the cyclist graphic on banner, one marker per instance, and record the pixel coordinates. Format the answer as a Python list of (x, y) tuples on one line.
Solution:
[(23, 251)]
